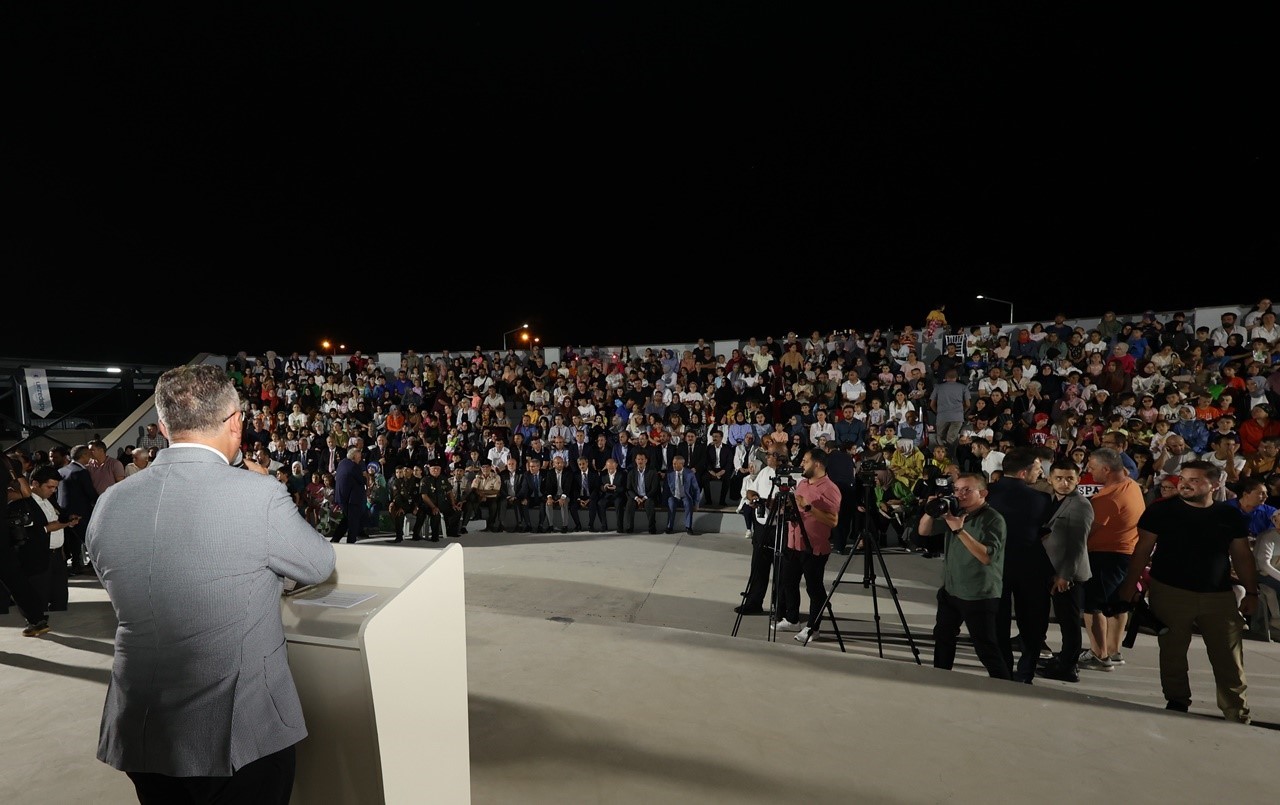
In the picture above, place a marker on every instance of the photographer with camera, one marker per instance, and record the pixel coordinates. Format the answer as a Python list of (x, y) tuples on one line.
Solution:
[(759, 494), (972, 571), (814, 512)]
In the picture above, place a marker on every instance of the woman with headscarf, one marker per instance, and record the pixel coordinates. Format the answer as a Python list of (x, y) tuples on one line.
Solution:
[(907, 462)]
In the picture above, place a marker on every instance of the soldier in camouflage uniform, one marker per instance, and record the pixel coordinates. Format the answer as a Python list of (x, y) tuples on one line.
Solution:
[(403, 492), (434, 495)]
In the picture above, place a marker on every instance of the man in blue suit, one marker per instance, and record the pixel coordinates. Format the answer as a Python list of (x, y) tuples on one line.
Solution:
[(682, 492), (349, 488)]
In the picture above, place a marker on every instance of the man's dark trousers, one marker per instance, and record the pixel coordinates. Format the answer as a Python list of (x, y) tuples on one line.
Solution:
[(761, 565), (1026, 591), (979, 618)]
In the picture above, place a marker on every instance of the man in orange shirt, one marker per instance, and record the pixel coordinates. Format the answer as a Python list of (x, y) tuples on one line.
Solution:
[(1116, 509)]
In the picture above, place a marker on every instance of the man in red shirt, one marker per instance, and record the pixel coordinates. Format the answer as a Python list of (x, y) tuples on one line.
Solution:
[(816, 512)]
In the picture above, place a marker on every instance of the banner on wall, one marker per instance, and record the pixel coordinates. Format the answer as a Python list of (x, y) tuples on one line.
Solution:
[(38, 392)]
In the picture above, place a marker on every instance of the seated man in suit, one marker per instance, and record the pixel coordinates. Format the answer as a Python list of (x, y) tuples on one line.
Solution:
[(532, 496), (643, 489), (588, 487), (612, 491), (562, 491), (191, 553), (720, 467), (509, 498), (683, 492)]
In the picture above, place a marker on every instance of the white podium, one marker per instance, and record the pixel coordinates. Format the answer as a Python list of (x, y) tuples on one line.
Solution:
[(383, 683)]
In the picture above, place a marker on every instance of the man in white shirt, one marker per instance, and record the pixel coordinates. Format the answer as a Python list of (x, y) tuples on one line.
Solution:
[(993, 380), (1266, 328), (499, 453), (992, 459), (1219, 335), (853, 390)]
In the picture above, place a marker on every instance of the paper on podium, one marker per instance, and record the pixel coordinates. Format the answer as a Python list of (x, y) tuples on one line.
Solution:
[(336, 598)]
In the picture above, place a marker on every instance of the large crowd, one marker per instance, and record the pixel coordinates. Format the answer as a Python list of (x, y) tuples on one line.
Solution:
[(511, 440)]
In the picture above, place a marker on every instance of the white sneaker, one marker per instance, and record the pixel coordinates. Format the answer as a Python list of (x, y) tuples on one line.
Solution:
[(1117, 659), (748, 535), (1095, 663), (806, 634), (785, 625)]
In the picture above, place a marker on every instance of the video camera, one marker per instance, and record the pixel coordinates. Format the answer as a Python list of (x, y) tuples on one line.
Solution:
[(938, 483), (868, 468)]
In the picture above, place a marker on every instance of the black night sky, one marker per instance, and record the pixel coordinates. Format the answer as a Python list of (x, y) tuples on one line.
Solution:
[(249, 176)]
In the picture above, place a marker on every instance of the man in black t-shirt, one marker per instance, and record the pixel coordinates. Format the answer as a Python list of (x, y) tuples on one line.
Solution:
[(1200, 541)]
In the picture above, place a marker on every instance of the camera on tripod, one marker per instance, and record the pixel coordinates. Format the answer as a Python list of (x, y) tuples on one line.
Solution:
[(784, 495), (869, 467)]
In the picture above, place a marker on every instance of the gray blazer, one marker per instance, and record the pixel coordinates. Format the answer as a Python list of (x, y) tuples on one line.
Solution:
[(191, 553), (1068, 532)]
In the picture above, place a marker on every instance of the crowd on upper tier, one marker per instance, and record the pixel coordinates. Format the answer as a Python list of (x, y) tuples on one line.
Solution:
[(1053, 385)]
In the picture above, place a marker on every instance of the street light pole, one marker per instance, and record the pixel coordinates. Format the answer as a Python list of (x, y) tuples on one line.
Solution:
[(1005, 301), (509, 332)]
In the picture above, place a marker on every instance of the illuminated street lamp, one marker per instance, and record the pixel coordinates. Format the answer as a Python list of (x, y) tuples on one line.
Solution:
[(1006, 301), (513, 330)]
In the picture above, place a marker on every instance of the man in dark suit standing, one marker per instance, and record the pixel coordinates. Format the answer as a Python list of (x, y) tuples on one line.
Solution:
[(76, 495), (1028, 573), (719, 466), (348, 482), (201, 706), (694, 453), (643, 490)]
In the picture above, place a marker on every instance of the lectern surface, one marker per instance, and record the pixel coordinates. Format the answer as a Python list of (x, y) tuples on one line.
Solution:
[(332, 626)]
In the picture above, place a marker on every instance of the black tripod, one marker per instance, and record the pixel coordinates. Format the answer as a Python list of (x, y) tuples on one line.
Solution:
[(777, 540), (869, 542)]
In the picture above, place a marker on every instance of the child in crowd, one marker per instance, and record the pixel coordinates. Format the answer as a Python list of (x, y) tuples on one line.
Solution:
[(878, 414)]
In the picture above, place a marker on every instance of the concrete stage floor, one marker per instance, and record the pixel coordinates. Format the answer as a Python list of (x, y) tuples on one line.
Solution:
[(603, 670)]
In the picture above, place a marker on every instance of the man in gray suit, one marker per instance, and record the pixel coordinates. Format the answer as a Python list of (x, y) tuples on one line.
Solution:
[(1065, 535), (201, 704)]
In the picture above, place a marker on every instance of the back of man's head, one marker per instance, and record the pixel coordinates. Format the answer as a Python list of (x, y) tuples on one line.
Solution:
[(1018, 460)]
